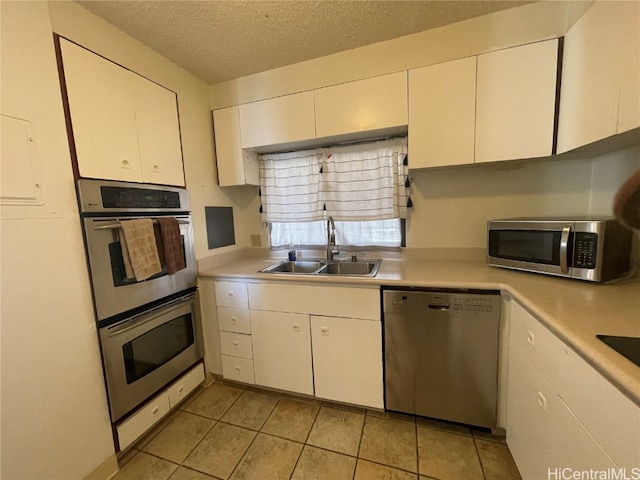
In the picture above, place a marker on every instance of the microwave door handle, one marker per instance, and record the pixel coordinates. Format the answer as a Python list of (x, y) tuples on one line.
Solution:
[(564, 249)]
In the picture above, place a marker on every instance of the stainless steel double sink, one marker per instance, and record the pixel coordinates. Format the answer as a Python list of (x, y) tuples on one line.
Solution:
[(361, 268)]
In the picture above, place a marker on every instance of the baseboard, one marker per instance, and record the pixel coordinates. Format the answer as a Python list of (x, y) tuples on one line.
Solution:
[(106, 471)]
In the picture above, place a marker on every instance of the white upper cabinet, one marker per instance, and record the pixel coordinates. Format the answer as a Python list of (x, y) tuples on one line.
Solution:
[(365, 105), (442, 114), (124, 126), (516, 102), (235, 165), (158, 132), (600, 90), (277, 120), (102, 115)]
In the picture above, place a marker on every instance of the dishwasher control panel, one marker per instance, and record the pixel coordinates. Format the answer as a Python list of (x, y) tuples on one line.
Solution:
[(420, 302)]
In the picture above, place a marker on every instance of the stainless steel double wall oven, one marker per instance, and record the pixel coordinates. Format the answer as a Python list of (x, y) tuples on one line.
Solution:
[(150, 330)]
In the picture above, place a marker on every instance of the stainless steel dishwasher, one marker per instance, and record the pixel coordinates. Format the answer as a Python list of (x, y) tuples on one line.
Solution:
[(441, 353)]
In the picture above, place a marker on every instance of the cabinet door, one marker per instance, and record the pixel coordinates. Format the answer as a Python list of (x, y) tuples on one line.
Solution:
[(277, 120), (542, 433), (158, 132), (516, 102), (235, 165), (442, 114), (347, 360), (102, 115), (600, 89), (371, 104), (282, 351)]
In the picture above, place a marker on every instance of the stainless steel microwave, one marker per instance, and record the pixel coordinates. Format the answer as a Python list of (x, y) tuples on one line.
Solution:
[(596, 249)]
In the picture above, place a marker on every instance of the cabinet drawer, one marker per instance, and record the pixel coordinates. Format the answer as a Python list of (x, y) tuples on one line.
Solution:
[(179, 390), (236, 345), (141, 421), (231, 294), (234, 320), (542, 348), (238, 369), (349, 302)]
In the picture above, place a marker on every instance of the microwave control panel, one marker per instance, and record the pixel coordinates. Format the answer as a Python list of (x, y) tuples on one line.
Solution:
[(585, 250)]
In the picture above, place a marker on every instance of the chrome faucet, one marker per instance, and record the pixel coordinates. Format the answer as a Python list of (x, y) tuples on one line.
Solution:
[(331, 239)]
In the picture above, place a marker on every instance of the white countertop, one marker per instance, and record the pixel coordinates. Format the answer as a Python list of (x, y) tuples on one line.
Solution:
[(572, 309)]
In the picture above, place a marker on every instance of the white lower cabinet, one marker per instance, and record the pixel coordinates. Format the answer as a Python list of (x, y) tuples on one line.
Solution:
[(561, 413), (311, 339), (149, 414), (542, 433), (282, 351), (347, 360)]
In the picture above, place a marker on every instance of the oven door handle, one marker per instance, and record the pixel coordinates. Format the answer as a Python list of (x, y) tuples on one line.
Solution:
[(564, 249), (148, 316), (114, 226)]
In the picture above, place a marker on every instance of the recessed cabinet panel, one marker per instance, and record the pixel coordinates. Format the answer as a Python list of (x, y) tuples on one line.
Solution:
[(235, 165), (158, 132), (102, 115), (442, 114), (277, 120), (600, 92), (347, 360), (125, 127), (282, 351), (370, 104), (516, 102)]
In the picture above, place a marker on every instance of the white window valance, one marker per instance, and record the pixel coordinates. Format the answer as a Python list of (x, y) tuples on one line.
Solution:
[(360, 182)]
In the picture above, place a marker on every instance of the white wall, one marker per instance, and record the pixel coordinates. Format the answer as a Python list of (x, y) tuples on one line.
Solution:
[(55, 422), (452, 205), (78, 24), (515, 26)]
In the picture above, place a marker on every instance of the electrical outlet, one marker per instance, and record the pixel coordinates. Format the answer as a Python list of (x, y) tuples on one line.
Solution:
[(256, 240)]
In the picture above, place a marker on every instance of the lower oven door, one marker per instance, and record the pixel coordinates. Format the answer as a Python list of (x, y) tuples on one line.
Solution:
[(143, 354)]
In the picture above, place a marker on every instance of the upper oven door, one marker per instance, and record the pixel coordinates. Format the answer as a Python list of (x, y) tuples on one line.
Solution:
[(541, 246), (114, 293)]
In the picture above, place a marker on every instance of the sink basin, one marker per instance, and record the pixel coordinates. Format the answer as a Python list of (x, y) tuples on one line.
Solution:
[(369, 268), (300, 266), (365, 268)]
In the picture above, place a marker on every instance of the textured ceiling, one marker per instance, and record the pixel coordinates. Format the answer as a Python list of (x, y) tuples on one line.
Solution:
[(219, 40)]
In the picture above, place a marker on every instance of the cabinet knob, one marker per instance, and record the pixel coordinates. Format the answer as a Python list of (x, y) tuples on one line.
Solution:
[(296, 327), (233, 319), (181, 389), (237, 368), (155, 410), (531, 338), (230, 294), (156, 168), (542, 402), (324, 331), (236, 344), (125, 164)]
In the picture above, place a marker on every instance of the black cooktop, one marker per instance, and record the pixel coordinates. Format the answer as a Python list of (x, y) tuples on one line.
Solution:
[(626, 346)]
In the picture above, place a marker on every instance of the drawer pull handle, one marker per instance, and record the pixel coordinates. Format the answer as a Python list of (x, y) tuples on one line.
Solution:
[(542, 402), (531, 338), (230, 294), (233, 319), (155, 410), (181, 389), (236, 344), (237, 368)]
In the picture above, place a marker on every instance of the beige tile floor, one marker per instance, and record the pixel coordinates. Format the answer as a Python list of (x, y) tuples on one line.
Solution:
[(227, 431)]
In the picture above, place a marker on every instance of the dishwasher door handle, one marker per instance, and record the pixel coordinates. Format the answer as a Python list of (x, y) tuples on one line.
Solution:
[(441, 308)]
